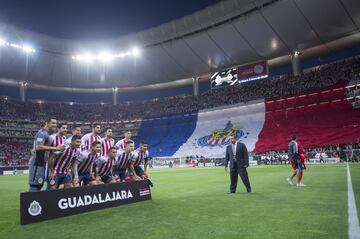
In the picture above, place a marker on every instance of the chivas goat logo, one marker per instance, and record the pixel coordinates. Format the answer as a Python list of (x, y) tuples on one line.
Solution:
[(221, 137), (34, 208)]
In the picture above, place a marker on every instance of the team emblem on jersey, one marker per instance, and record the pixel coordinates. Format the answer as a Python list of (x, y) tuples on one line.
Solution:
[(221, 137), (34, 208), (40, 180), (52, 182), (39, 140)]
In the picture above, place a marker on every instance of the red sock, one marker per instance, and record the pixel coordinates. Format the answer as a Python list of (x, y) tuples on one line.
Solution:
[(300, 176)]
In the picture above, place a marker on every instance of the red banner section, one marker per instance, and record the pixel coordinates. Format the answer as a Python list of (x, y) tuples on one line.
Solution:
[(319, 118), (252, 71)]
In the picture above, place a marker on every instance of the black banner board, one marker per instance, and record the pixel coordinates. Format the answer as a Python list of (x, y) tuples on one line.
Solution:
[(44, 205)]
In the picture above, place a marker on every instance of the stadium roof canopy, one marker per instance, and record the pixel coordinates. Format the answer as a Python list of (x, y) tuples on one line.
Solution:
[(227, 34)]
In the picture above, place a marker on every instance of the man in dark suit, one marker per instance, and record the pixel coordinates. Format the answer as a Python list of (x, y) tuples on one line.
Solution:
[(238, 156)]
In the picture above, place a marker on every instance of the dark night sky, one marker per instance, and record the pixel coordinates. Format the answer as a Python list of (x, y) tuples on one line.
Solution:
[(94, 19)]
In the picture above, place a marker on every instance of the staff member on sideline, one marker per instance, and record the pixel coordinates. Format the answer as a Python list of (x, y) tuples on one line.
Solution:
[(238, 156)]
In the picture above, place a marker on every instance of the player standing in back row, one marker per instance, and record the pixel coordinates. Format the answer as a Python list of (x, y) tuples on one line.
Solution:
[(107, 142), (121, 144), (75, 131), (88, 139)]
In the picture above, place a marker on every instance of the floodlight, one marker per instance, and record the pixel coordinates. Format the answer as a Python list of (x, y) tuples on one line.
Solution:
[(105, 57), (135, 51), (28, 49)]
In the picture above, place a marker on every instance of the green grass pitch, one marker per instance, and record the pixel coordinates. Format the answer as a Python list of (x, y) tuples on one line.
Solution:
[(194, 203)]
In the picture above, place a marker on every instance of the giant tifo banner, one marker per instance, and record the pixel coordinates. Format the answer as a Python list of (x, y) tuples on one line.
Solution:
[(319, 117), (214, 127), (252, 71)]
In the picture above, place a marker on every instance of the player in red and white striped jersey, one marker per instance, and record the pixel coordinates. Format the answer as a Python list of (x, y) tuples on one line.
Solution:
[(107, 142), (75, 131), (141, 155), (55, 140), (83, 166), (60, 137), (89, 138), (61, 162), (105, 166), (123, 159), (121, 144)]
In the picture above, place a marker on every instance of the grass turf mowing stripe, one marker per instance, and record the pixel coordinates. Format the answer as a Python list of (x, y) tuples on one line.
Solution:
[(193, 203)]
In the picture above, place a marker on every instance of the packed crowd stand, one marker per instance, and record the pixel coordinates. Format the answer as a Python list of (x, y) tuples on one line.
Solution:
[(18, 119), (274, 87)]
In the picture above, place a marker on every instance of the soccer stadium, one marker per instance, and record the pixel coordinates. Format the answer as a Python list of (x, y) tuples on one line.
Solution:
[(183, 119)]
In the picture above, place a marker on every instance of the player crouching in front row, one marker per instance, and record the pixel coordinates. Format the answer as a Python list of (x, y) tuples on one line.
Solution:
[(140, 155), (84, 166), (60, 163), (123, 160), (104, 167)]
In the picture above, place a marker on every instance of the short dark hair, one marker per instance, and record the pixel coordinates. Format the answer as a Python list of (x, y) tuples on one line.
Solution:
[(107, 128), (143, 142), (111, 148), (95, 124), (76, 126), (129, 142), (48, 120), (293, 137), (61, 125), (95, 143), (75, 137)]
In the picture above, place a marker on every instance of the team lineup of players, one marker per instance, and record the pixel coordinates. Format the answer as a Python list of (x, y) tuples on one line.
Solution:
[(92, 160), (86, 160)]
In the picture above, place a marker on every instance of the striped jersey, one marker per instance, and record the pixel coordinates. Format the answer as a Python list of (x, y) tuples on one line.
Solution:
[(57, 139), (87, 140), (105, 145), (104, 166), (139, 157), (121, 144), (123, 159), (86, 161), (68, 141), (65, 158)]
